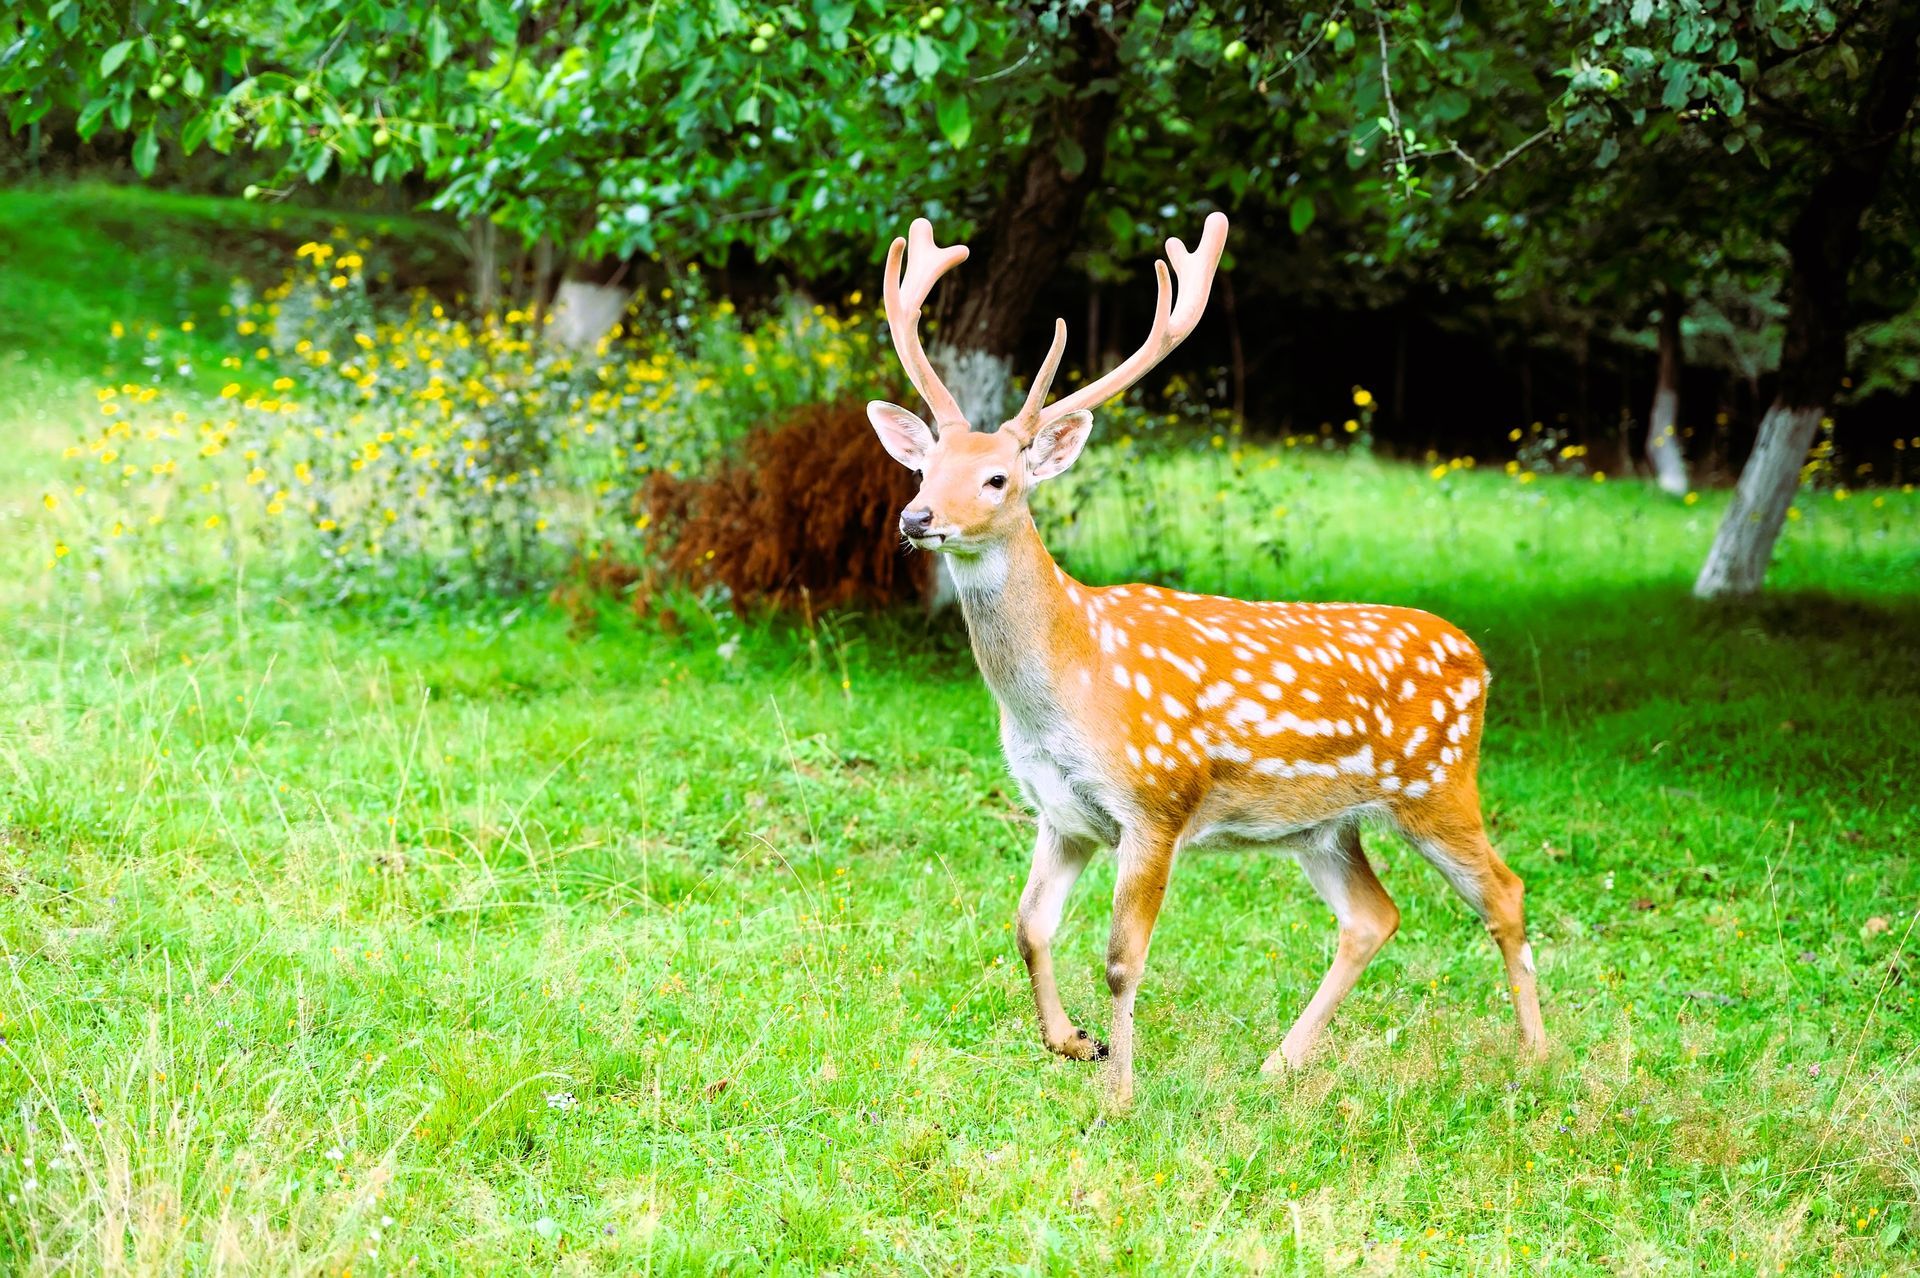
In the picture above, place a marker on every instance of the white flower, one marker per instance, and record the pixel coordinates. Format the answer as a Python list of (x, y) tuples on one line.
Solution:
[(336, 1154), (562, 1101)]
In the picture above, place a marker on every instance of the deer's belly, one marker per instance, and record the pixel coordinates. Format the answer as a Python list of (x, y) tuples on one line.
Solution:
[(1062, 790)]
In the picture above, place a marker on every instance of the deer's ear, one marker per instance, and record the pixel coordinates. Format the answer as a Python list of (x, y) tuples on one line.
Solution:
[(905, 436), (1058, 445)]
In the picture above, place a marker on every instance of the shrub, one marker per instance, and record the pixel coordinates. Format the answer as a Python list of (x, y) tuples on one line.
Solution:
[(807, 510)]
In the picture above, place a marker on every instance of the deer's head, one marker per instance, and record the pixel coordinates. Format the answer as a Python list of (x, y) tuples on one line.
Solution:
[(974, 484)]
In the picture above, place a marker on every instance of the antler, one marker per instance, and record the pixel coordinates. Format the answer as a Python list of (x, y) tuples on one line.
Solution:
[(926, 263), (1172, 321)]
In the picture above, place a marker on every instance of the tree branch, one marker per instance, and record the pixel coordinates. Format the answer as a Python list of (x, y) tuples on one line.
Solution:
[(1398, 166), (1545, 132)]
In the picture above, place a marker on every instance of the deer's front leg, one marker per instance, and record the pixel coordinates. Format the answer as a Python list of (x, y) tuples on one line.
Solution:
[(1057, 863), (1145, 863)]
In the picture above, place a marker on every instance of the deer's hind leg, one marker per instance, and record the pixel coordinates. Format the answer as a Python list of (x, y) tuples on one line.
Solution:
[(1449, 832), (1337, 866)]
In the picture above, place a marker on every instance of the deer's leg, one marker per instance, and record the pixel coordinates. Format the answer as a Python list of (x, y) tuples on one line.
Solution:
[(1452, 836), (1337, 866), (1057, 863), (1141, 886)]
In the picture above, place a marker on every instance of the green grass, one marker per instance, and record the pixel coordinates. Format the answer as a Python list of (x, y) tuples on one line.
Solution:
[(306, 918)]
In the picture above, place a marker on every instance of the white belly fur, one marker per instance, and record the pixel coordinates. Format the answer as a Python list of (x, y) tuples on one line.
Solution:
[(1043, 768)]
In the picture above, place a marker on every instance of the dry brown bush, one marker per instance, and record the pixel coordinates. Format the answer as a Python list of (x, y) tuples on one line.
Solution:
[(808, 512)]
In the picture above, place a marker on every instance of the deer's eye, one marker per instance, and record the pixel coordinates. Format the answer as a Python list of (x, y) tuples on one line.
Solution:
[(996, 481)]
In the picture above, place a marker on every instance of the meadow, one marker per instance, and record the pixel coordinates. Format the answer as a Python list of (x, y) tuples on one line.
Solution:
[(487, 938)]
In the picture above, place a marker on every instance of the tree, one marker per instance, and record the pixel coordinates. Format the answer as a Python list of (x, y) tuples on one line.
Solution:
[(1663, 423), (1823, 244)]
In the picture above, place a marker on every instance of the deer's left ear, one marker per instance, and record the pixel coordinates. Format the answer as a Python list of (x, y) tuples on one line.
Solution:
[(905, 436), (1058, 445)]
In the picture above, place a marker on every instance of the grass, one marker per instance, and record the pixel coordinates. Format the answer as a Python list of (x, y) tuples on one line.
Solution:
[(484, 945)]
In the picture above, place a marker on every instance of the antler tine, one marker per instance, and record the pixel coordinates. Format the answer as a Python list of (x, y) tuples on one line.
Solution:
[(1027, 421), (904, 292), (1171, 322)]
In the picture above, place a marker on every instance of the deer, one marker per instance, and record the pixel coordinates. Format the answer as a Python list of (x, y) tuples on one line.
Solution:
[(1154, 722)]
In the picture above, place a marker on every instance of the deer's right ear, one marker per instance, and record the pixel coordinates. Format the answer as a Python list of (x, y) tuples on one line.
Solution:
[(905, 436)]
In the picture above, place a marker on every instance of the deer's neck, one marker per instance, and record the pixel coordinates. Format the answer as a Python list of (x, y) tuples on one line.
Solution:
[(1022, 623)]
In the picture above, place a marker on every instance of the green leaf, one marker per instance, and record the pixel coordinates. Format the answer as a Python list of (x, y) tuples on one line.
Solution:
[(91, 116), (1300, 214), (146, 151), (439, 44), (1120, 224), (110, 60), (1071, 155), (956, 121), (194, 133), (926, 58), (834, 15)]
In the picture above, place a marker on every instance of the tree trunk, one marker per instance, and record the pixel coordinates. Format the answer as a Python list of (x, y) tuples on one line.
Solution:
[(585, 312), (483, 241), (1032, 230), (590, 299), (1663, 426), (1822, 246)]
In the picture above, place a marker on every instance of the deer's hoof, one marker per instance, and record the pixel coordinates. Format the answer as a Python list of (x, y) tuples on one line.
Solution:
[(1278, 1066), (1082, 1046)]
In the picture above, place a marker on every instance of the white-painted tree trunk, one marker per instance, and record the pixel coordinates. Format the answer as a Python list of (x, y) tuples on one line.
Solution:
[(981, 382), (483, 242), (1742, 549), (1663, 426), (583, 313)]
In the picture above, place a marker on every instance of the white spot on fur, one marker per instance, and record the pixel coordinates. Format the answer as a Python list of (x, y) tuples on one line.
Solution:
[(1246, 711)]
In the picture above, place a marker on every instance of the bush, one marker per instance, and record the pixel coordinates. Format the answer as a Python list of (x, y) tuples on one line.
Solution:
[(806, 512)]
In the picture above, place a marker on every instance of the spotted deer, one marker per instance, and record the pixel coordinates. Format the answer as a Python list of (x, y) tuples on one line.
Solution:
[(1156, 721)]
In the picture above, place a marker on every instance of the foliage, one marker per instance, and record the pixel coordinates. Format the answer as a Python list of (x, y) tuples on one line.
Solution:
[(799, 518), (416, 451), (611, 128)]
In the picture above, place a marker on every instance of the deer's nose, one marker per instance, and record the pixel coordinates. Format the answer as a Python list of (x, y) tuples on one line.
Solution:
[(915, 523)]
